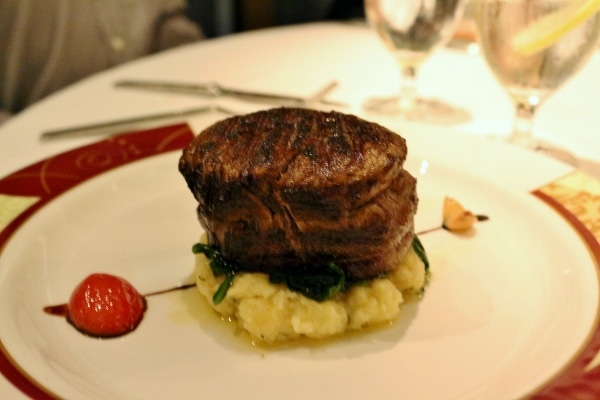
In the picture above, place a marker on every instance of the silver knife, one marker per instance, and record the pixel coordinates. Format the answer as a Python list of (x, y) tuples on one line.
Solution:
[(215, 90), (125, 124)]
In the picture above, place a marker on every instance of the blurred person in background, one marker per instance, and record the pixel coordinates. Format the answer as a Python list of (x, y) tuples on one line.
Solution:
[(46, 45)]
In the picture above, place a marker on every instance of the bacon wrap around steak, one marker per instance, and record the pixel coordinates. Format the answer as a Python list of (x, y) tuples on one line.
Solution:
[(297, 188)]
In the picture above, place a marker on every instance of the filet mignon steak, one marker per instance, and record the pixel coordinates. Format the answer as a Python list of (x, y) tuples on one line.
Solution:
[(297, 188)]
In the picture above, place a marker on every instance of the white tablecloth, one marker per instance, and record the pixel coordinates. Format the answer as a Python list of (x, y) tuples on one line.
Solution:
[(299, 60)]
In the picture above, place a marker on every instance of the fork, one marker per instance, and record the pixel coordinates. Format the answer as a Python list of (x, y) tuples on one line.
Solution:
[(213, 89)]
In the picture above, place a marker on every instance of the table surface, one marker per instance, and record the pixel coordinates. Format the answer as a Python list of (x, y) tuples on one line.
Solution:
[(299, 60)]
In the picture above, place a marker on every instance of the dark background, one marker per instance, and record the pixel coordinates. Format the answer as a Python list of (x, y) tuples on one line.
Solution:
[(222, 17)]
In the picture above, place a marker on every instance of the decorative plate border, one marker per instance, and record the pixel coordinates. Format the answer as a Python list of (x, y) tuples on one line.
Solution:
[(576, 197), (24, 192)]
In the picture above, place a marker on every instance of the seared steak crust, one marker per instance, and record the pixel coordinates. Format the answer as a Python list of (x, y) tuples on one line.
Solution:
[(298, 188)]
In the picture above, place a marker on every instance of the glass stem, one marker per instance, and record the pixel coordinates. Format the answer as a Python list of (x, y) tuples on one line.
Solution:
[(522, 133), (407, 97)]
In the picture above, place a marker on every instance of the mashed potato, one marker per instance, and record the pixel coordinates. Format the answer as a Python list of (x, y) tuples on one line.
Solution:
[(271, 313)]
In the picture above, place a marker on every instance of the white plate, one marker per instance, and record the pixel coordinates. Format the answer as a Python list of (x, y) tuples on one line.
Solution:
[(507, 307)]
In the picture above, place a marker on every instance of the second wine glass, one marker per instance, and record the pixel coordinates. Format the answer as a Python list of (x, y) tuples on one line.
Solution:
[(411, 30), (531, 52)]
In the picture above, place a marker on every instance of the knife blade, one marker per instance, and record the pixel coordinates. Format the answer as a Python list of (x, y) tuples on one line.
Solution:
[(125, 124)]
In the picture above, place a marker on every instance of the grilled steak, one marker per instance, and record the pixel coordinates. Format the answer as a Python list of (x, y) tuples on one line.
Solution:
[(298, 188)]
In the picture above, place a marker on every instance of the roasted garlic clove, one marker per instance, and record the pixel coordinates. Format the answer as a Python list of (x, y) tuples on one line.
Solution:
[(456, 218)]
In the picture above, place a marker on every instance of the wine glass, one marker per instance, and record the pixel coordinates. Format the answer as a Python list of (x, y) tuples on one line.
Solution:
[(528, 72), (411, 30)]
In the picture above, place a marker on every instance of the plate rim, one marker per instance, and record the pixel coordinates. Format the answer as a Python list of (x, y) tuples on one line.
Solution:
[(38, 180), (573, 379)]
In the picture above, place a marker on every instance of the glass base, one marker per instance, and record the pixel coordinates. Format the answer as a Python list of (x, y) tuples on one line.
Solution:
[(420, 110), (544, 147), (556, 153)]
